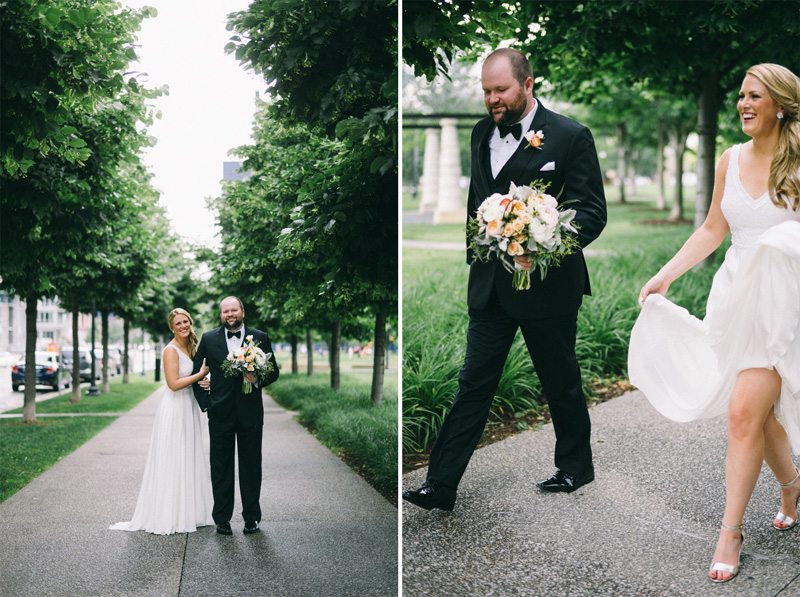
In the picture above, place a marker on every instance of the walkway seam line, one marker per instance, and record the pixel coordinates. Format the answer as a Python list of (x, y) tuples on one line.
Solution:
[(786, 586), (183, 562)]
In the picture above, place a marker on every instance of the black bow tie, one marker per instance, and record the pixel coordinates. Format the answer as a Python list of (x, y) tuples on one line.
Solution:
[(514, 129), (237, 334)]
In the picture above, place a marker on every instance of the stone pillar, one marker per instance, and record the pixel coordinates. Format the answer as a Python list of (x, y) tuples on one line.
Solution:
[(451, 207), (430, 172)]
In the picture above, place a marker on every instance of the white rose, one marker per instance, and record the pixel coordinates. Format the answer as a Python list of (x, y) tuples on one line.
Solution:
[(493, 211), (539, 231), (549, 215), (549, 200)]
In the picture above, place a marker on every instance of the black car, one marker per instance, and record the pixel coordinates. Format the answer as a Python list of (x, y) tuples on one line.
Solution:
[(50, 372)]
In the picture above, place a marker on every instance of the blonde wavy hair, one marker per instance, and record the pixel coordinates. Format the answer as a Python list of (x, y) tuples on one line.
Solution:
[(783, 87), (193, 341)]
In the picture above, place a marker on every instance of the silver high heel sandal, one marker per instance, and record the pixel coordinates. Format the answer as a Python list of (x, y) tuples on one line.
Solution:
[(721, 566), (787, 520)]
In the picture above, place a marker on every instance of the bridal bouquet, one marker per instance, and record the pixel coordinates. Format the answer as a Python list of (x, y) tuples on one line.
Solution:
[(248, 359), (525, 220)]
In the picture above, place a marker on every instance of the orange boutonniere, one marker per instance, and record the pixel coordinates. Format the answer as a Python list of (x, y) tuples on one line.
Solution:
[(535, 139)]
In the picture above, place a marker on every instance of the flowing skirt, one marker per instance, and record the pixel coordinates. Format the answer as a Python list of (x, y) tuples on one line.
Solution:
[(687, 368), (175, 495)]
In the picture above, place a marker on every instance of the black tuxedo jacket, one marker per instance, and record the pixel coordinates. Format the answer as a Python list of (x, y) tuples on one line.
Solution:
[(225, 398), (574, 175)]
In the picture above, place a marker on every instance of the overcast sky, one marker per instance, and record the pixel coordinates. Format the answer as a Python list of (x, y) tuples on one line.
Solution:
[(208, 111)]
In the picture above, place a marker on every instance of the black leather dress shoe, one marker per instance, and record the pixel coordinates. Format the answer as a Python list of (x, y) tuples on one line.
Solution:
[(224, 528), (251, 527), (565, 482), (429, 497)]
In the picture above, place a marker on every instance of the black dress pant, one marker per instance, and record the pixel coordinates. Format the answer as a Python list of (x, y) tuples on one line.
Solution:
[(551, 345), (224, 434)]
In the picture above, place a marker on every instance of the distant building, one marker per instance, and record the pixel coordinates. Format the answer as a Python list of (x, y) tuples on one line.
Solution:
[(232, 171), (53, 324)]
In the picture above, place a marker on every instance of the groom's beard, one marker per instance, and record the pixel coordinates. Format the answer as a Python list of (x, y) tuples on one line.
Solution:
[(513, 111), (233, 326)]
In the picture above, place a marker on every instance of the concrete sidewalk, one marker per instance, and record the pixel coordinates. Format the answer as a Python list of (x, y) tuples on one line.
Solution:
[(325, 530), (646, 526)]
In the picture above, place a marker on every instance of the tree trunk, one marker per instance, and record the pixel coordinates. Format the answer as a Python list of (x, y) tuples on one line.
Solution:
[(29, 403), (631, 156), (661, 198), (707, 117), (621, 166), (336, 333), (293, 341), (376, 394), (126, 331), (309, 354), (104, 341), (76, 358), (676, 214)]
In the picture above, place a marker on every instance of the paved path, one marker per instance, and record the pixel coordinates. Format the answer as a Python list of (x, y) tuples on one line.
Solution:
[(326, 532), (646, 527)]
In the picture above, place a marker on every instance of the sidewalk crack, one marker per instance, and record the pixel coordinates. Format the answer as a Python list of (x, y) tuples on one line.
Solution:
[(183, 562), (786, 586)]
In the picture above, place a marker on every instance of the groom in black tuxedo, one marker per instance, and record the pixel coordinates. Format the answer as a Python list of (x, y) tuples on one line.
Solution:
[(233, 417), (547, 313)]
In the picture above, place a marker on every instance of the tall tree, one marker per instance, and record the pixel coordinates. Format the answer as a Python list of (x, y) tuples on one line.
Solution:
[(333, 65), (58, 59)]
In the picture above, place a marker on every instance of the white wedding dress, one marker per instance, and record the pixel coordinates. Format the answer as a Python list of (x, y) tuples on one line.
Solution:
[(175, 496), (687, 367)]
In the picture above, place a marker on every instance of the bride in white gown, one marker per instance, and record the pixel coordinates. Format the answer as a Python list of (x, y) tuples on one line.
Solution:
[(175, 496), (744, 357)]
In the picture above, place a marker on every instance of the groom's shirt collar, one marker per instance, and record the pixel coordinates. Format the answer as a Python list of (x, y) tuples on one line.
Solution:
[(233, 343), (502, 148)]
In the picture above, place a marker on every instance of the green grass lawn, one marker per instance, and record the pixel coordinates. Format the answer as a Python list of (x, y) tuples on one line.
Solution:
[(121, 398), (26, 451), (410, 203), (363, 435), (451, 233)]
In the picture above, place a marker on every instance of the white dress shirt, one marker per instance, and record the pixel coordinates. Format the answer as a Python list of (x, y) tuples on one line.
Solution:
[(502, 148), (234, 343)]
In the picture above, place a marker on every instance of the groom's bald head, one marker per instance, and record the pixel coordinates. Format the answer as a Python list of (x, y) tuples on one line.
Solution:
[(231, 312), (520, 67)]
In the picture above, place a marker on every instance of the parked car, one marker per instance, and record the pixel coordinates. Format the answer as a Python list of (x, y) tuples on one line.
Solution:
[(50, 372), (85, 361)]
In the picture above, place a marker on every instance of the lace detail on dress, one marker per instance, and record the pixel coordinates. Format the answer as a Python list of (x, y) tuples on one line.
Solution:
[(748, 217)]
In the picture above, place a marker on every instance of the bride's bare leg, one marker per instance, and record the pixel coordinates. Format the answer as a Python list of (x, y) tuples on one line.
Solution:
[(751, 404), (777, 453)]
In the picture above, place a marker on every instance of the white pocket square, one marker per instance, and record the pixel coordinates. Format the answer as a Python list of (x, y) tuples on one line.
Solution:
[(547, 167)]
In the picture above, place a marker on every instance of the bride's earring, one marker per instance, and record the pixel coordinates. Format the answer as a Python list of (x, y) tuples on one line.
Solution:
[(780, 115)]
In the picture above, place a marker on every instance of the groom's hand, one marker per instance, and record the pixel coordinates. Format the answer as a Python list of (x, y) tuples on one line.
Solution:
[(250, 378), (524, 261)]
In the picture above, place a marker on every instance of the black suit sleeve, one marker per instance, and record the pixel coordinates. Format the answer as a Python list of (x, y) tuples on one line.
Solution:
[(472, 199), (583, 186), (470, 211), (266, 346), (200, 394)]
